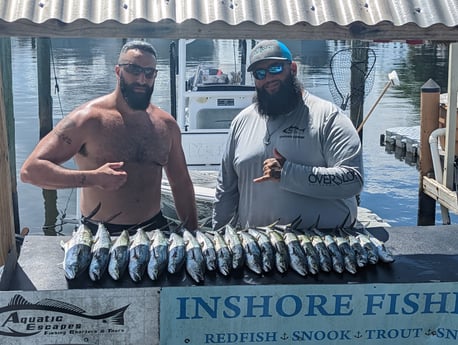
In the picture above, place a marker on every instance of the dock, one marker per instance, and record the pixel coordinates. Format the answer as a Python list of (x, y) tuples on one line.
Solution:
[(404, 142)]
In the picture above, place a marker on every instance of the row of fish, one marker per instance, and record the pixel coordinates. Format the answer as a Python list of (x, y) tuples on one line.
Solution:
[(262, 250)]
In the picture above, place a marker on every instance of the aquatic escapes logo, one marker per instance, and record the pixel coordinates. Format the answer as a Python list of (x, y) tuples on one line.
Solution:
[(21, 318)]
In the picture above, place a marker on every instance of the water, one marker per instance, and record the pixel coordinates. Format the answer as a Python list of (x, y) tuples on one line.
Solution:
[(84, 69)]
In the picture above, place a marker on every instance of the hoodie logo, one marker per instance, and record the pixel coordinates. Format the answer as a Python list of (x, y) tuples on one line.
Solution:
[(21, 318)]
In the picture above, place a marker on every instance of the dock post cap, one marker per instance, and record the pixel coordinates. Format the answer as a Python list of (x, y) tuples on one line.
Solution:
[(430, 86)]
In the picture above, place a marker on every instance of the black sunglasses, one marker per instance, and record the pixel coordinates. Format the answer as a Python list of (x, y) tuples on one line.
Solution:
[(261, 73), (131, 68)]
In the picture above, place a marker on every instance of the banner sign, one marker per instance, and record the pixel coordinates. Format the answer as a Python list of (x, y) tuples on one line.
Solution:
[(310, 314), (92, 316)]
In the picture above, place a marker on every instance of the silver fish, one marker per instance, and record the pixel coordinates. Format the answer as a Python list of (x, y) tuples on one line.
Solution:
[(177, 253), (158, 254), (337, 259), (313, 259), (253, 257), (223, 254), (266, 247), (360, 252), (195, 262), (138, 255), (371, 249), (119, 256), (323, 253), (208, 250), (77, 252), (235, 245), (100, 253), (282, 260), (383, 253), (347, 253), (298, 260)]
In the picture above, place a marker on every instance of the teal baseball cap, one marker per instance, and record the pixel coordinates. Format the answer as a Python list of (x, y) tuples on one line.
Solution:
[(269, 50)]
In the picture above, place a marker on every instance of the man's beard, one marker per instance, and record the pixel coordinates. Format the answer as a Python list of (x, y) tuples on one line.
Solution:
[(135, 100), (282, 102)]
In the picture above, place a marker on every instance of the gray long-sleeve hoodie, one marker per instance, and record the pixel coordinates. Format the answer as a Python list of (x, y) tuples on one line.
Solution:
[(321, 177)]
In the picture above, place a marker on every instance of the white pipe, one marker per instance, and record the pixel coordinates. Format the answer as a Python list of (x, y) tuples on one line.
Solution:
[(437, 166), (181, 82), (434, 147)]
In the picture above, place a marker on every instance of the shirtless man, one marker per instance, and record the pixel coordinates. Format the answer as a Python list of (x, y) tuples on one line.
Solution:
[(120, 143)]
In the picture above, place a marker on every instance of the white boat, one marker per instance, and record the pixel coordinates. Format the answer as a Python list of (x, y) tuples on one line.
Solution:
[(204, 106)]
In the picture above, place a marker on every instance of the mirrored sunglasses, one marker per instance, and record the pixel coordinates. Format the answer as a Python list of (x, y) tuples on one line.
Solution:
[(131, 68), (261, 73)]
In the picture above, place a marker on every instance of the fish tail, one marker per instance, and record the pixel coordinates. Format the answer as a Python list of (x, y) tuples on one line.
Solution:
[(118, 316)]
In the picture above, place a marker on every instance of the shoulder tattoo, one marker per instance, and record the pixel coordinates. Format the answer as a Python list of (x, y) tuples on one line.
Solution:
[(63, 125)]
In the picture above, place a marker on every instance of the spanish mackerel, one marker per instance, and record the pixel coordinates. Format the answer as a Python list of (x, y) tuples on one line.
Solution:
[(138, 255), (281, 250), (312, 257), (208, 250), (253, 257), (77, 251), (348, 253), (177, 252), (100, 253), (360, 252), (337, 258), (266, 247), (223, 254), (195, 262), (369, 246), (158, 254), (298, 260), (235, 245), (383, 253), (119, 256), (323, 253)]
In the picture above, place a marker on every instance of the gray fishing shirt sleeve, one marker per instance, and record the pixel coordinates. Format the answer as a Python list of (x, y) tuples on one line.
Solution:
[(322, 174), (334, 169)]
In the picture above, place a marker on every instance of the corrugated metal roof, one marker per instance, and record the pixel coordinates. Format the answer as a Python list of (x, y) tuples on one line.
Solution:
[(304, 19)]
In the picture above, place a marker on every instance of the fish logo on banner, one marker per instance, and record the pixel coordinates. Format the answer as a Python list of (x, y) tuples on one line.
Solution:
[(21, 318)]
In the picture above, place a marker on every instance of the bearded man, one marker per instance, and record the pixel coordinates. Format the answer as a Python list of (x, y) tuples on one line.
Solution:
[(120, 143), (290, 154)]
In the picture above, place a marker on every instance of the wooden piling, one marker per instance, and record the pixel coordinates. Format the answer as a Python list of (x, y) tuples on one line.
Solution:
[(44, 85), (429, 121), (359, 60), (7, 80), (7, 237)]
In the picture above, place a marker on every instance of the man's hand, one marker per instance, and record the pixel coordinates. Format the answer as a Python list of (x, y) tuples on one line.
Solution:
[(272, 168), (111, 176)]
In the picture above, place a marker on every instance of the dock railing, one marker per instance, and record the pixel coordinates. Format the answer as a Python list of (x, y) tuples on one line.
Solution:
[(432, 188)]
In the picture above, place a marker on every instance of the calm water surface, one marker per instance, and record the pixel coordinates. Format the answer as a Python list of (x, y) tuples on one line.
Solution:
[(84, 69)]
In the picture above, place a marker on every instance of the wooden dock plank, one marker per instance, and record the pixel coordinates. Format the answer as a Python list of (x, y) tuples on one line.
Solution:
[(440, 193)]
